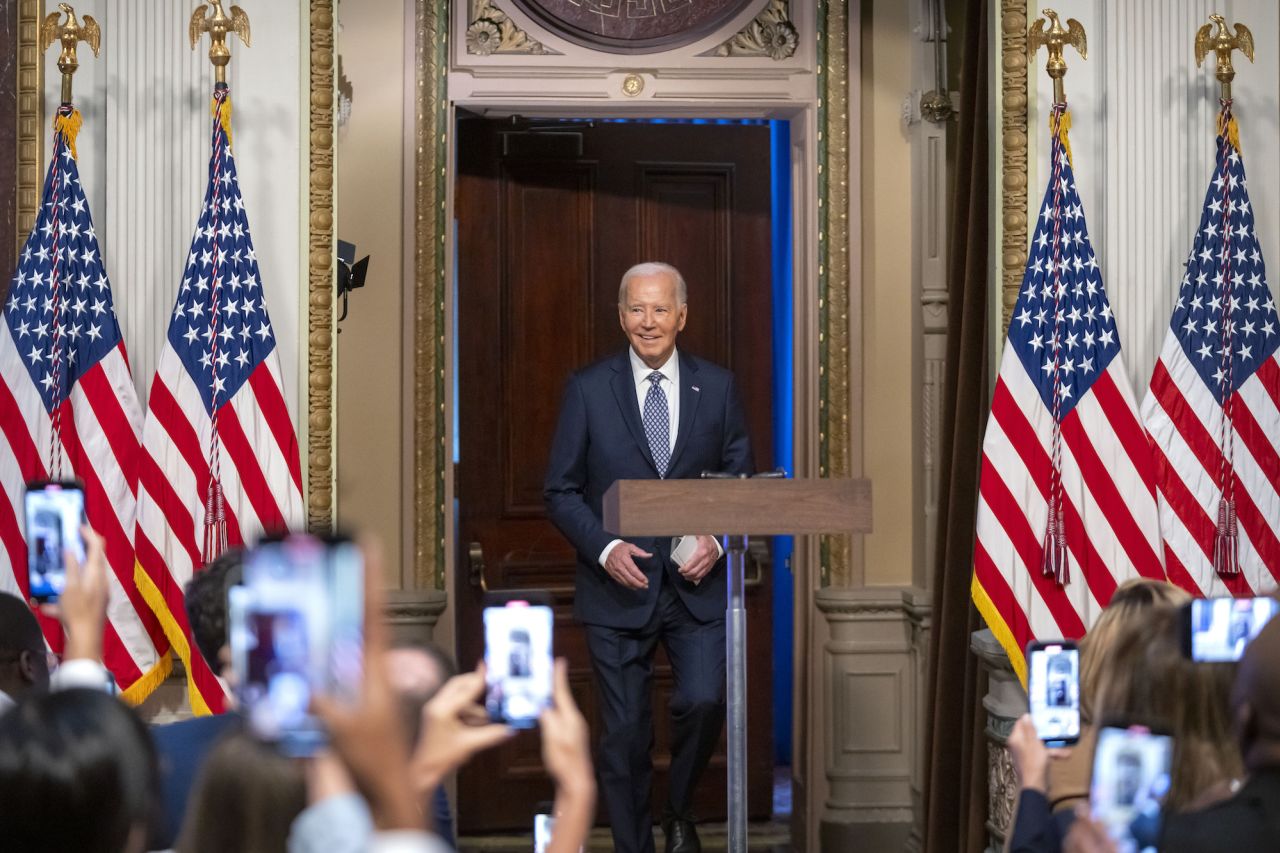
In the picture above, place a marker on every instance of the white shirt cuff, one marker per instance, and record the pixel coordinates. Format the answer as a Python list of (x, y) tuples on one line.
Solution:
[(80, 672), (608, 549)]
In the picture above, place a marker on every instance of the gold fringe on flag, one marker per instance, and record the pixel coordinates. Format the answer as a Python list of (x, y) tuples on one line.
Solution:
[(69, 127), (223, 117), (1231, 131), (1063, 126)]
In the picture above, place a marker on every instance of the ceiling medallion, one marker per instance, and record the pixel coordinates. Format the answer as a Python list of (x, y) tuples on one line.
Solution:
[(632, 26)]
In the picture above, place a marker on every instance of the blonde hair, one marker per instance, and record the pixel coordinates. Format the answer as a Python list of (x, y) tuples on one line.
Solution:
[(1147, 679), (1131, 600)]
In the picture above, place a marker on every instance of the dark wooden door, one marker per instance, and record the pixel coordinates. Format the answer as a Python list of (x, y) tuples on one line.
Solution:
[(548, 220)]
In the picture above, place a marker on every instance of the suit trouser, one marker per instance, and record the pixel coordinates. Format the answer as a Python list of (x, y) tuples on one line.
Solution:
[(623, 663)]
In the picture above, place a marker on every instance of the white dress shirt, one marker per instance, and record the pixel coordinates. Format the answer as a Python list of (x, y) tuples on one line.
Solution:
[(670, 384)]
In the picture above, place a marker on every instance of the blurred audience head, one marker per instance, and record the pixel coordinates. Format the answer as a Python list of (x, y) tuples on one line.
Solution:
[(77, 772), (1129, 605), (206, 604), (24, 666), (1147, 679), (415, 671), (1255, 700), (246, 798)]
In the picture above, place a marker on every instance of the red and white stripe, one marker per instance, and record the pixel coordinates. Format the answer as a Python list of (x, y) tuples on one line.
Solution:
[(99, 435), (1184, 421), (1109, 507), (261, 481)]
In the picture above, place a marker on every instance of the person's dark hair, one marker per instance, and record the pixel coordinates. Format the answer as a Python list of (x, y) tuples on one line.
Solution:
[(20, 639), (77, 772), (1147, 679), (1255, 699), (206, 603), (246, 799), (412, 702)]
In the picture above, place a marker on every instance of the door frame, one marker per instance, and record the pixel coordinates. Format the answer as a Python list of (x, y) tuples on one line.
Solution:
[(823, 110)]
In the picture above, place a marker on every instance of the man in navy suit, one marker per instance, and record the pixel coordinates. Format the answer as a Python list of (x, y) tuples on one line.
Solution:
[(648, 412)]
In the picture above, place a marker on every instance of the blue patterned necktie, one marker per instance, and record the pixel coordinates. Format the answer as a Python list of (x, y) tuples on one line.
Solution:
[(657, 423)]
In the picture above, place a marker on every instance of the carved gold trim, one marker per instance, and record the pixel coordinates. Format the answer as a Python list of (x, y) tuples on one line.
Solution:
[(770, 34), (320, 270), (833, 269), (491, 31), (430, 149), (30, 117), (1013, 153)]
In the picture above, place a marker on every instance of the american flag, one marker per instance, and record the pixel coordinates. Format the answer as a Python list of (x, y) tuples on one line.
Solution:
[(220, 456), (68, 409), (1213, 406), (1067, 505)]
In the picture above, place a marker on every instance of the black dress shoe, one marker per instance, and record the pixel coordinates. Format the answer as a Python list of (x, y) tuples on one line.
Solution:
[(682, 837)]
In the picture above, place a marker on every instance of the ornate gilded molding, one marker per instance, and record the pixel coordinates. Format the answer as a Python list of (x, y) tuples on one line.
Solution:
[(1013, 152), (833, 269), (770, 34), (490, 31), (320, 272), (430, 217), (30, 117)]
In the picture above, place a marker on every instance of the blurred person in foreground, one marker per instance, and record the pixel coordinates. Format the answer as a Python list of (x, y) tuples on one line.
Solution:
[(77, 773), (418, 670), (1248, 821), (371, 741), (26, 665), (247, 797), (1057, 785), (1144, 679)]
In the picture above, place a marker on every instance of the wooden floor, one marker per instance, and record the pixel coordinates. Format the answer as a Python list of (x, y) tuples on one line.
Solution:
[(765, 837)]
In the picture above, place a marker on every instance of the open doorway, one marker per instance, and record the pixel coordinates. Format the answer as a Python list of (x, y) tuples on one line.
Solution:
[(549, 213)]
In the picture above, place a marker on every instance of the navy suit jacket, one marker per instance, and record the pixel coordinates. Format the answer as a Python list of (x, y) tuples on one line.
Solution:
[(599, 439)]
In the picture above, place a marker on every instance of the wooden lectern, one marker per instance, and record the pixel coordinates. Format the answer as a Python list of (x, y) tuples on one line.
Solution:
[(758, 506)]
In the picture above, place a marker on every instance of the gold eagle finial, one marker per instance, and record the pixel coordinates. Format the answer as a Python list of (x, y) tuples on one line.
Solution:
[(217, 25), (1055, 38), (1222, 43), (68, 35)]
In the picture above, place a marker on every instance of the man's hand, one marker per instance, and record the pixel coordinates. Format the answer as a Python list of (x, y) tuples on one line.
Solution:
[(82, 607), (1087, 835), (1030, 757), (369, 737), (621, 566), (452, 730), (566, 742), (702, 561), (566, 753)]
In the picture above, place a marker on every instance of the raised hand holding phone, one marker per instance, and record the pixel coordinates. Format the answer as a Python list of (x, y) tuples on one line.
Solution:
[(54, 513), (1053, 690)]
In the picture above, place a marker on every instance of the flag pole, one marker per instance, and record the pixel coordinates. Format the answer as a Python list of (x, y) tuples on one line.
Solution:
[(1223, 43), (218, 24), (1055, 38), (68, 35), (1055, 562)]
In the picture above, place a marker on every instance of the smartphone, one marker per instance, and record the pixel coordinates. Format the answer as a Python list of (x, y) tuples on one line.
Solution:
[(517, 656), (54, 512), (296, 627), (1131, 766), (543, 824), (1053, 690), (1215, 630)]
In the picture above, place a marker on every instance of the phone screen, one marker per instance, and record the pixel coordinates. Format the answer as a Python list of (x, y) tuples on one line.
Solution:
[(54, 513), (1130, 780), (296, 627), (517, 657), (1053, 691), (1222, 627), (543, 825)]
